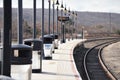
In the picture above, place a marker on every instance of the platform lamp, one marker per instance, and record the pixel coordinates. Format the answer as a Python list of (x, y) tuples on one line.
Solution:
[(65, 12), (73, 24), (57, 36), (49, 1), (83, 32), (62, 36), (6, 67), (69, 12), (53, 15), (76, 24), (57, 3), (42, 32)]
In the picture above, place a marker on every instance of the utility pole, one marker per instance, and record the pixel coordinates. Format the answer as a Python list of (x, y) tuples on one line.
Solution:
[(110, 22)]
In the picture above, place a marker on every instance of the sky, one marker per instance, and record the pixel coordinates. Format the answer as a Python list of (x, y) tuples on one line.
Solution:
[(77, 5)]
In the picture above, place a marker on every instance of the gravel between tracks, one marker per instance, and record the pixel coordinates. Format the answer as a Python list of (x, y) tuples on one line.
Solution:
[(111, 57)]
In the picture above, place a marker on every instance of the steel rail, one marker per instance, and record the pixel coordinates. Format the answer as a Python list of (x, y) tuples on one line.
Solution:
[(85, 57), (108, 72)]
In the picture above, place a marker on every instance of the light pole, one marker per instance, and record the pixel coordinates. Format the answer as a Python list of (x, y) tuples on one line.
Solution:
[(69, 24), (65, 11), (34, 12), (6, 67), (42, 33), (20, 18), (62, 31), (57, 3), (49, 1), (53, 15), (76, 24), (73, 24), (83, 32)]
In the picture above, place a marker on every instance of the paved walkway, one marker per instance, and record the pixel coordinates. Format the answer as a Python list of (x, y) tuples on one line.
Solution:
[(111, 57), (62, 66)]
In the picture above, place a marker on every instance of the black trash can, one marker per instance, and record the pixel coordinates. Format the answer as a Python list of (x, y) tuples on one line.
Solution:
[(21, 60), (36, 44), (53, 36), (56, 36), (48, 46), (53, 42), (56, 41)]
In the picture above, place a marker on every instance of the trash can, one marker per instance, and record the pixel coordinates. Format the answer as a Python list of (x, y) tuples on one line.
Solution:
[(53, 42), (56, 41), (36, 44), (48, 46), (21, 60)]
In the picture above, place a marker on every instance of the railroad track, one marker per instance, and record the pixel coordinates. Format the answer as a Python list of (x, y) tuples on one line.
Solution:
[(89, 63)]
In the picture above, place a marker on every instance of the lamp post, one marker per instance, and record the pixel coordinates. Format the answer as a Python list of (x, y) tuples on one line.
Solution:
[(73, 24), (34, 30), (69, 24), (20, 18), (53, 14), (42, 32), (62, 25), (76, 24), (65, 11), (83, 32), (6, 67), (57, 3), (49, 1)]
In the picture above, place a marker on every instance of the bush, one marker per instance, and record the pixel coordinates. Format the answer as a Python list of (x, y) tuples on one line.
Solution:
[(118, 32)]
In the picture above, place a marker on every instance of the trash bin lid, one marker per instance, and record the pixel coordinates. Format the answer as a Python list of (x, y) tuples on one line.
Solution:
[(56, 36), (52, 35), (35, 43), (48, 39), (48, 36), (21, 46), (24, 54), (32, 40)]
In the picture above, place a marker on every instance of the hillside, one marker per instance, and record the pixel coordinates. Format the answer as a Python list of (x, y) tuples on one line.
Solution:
[(92, 21), (84, 18)]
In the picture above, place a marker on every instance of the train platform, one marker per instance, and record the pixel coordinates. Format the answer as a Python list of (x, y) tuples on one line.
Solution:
[(62, 66)]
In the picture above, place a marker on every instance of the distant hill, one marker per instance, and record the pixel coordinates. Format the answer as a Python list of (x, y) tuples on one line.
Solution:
[(92, 21)]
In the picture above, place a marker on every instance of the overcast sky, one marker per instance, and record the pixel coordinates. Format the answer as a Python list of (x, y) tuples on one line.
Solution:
[(78, 5)]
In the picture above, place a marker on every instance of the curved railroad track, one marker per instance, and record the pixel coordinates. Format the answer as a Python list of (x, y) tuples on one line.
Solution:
[(88, 62)]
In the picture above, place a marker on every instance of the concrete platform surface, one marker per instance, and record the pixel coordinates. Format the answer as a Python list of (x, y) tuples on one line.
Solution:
[(62, 66)]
